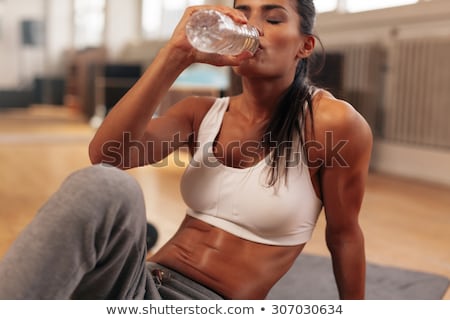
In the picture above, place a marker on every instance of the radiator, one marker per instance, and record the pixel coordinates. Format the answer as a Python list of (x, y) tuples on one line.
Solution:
[(417, 102), (403, 90), (362, 80)]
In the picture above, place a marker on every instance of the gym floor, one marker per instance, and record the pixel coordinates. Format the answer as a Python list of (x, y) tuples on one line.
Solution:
[(406, 222)]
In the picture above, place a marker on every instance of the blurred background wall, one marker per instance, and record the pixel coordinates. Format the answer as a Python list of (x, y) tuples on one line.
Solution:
[(391, 64)]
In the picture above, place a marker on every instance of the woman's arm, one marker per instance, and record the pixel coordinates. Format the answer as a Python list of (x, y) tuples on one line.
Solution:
[(128, 136), (347, 143), (121, 139)]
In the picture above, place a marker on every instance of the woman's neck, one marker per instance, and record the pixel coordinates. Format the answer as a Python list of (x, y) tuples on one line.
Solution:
[(259, 100)]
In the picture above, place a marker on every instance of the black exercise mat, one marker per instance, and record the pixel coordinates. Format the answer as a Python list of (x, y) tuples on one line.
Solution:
[(311, 278)]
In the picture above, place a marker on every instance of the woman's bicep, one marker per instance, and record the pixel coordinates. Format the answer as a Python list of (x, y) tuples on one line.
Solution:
[(175, 128), (166, 134), (345, 170)]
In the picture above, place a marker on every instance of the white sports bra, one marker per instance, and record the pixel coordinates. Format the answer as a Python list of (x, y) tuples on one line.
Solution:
[(239, 201)]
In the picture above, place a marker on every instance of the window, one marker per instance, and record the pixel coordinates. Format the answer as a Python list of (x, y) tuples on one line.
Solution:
[(358, 5), (325, 5), (160, 17), (89, 23)]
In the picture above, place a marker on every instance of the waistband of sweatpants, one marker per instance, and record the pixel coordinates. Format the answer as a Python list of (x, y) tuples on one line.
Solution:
[(165, 275)]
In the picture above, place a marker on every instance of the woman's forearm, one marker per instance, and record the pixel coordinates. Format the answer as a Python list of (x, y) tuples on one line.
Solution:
[(133, 112), (349, 266)]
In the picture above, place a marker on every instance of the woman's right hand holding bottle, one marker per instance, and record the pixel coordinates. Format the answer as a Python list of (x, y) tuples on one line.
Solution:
[(180, 47)]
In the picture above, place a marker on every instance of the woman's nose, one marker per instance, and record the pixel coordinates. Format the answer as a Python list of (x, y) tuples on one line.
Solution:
[(255, 23), (260, 31)]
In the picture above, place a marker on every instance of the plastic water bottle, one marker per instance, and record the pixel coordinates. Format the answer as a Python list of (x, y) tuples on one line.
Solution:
[(214, 32)]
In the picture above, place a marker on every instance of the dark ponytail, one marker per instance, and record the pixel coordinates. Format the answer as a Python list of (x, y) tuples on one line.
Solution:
[(285, 133)]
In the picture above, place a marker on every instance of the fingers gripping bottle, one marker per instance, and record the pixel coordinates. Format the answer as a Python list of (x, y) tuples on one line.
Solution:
[(212, 31)]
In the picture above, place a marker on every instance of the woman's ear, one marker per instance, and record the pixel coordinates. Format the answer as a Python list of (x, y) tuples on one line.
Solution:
[(307, 47)]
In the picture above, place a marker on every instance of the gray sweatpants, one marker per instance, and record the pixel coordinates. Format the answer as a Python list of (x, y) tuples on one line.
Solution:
[(87, 242)]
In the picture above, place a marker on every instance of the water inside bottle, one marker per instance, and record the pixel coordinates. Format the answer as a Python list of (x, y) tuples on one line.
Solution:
[(211, 31)]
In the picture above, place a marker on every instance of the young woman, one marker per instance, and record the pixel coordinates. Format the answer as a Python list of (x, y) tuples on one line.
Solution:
[(264, 165)]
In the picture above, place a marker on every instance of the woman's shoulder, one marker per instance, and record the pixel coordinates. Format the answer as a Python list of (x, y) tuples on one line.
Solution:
[(331, 114), (195, 108), (195, 103), (192, 107), (340, 133)]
